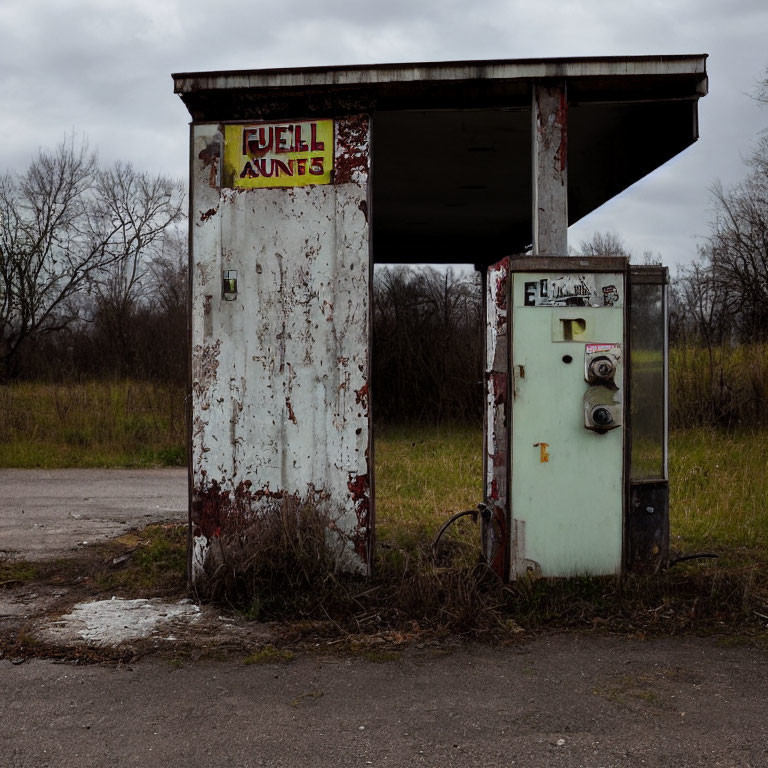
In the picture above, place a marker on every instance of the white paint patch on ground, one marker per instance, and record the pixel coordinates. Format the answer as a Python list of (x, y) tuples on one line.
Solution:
[(115, 621)]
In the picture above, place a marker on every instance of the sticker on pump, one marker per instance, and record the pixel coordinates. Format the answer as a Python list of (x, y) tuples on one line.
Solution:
[(573, 290), (592, 349)]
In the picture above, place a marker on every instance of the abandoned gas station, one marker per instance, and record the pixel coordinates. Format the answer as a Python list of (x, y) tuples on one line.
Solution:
[(303, 179)]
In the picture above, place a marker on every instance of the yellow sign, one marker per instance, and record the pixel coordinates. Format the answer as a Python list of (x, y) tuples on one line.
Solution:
[(291, 154)]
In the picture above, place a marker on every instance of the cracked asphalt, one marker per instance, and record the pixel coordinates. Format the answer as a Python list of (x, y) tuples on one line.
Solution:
[(563, 700), (556, 700), (46, 513)]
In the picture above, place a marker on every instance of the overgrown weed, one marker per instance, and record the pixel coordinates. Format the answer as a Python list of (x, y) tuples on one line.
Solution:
[(721, 386), (14, 571), (271, 571), (268, 654), (274, 561), (124, 423)]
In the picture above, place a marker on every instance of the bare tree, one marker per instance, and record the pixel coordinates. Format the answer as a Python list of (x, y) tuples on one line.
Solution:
[(141, 211), (427, 340), (700, 300), (604, 244), (50, 241), (738, 248), (65, 225)]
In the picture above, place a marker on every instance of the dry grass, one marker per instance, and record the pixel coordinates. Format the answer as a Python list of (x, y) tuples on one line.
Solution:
[(719, 491), (92, 424), (423, 475), (725, 386)]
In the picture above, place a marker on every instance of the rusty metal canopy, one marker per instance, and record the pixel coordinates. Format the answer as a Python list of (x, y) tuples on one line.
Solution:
[(451, 154)]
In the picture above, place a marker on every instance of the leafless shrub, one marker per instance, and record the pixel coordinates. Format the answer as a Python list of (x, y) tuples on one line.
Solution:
[(274, 561)]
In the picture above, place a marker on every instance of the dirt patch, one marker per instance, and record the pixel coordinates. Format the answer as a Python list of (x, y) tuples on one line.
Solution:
[(116, 621)]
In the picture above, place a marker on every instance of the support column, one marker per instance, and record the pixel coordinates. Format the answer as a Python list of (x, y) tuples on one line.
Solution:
[(550, 168)]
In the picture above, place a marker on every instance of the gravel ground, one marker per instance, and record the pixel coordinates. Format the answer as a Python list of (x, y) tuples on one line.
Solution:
[(46, 513), (565, 700)]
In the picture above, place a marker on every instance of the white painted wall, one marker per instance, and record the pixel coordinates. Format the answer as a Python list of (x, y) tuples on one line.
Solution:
[(279, 376)]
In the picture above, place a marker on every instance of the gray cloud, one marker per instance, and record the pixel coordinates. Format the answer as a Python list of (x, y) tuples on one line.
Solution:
[(102, 68)]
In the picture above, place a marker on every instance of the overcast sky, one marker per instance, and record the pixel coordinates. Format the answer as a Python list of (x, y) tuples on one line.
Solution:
[(103, 69)]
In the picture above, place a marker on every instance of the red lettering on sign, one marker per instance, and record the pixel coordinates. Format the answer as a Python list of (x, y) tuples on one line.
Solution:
[(282, 143), (279, 168), (301, 166), (316, 146), (299, 144), (316, 166), (258, 140)]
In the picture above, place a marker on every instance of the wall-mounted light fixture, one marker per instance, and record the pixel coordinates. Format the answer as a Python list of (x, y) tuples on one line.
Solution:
[(229, 285)]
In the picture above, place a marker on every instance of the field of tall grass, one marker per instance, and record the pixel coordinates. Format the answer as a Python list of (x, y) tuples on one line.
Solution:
[(121, 423), (718, 486), (719, 504), (722, 386), (719, 478)]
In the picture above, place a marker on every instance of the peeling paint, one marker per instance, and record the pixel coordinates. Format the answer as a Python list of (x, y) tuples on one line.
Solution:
[(298, 335), (495, 541), (361, 396), (550, 169), (351, 162), (205, 364), (359, 489), (210, 158), (561, 124)]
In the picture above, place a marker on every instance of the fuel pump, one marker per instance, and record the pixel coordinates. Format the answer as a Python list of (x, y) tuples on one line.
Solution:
[(575, 436)]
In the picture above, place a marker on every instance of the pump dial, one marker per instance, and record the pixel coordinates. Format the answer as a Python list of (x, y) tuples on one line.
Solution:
[(602, 368), (601, 416)]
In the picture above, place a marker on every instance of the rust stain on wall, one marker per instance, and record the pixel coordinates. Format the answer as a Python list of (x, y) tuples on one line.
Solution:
[(555, 128), (299, 339), (499, 387), (210, 156), (213, 510), (361, 396), (359, 491), (495, 543), (205, 364), (561, 122), (351, 150)]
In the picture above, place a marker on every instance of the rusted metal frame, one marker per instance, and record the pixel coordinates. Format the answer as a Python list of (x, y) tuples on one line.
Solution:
[(484, 341), (188, 392), (523, 263), (626, 479), (371, 549), (511, 543), (549, 141), (665, 358), (654, 488), (204, 198), (354, 131), (496, 530)]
